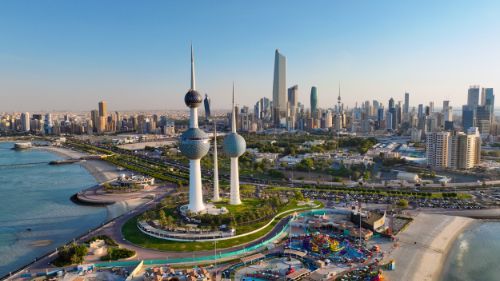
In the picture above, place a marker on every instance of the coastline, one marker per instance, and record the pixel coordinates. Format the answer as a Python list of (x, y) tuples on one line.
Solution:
[(100, 170), (425, 245)]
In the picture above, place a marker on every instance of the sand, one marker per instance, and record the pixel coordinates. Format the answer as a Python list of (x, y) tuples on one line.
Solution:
[(102, 171), (434, 234)]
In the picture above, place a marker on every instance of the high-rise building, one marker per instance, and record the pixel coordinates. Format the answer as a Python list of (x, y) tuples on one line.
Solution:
[(234, 146), (420, 110), (103, 112), (447, 111), (455, 150), (194, 144), (437, 149), (393, 123), (25, 122), (293, 96), (465, 149), (489, 100), (483, 119), (406, 106), (473, 96), (48, 124), (314, 101), (94, 116), (206, 103), (468, 117), (279, 89)]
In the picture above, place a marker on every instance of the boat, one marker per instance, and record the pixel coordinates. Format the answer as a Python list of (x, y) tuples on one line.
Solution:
[(22, 145)]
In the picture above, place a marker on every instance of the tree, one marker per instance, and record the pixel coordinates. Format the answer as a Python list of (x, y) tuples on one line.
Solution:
[(163, 219), (402, 203), (299, 196)]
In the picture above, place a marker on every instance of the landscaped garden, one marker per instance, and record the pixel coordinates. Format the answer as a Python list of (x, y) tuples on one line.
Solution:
[(251, 215)]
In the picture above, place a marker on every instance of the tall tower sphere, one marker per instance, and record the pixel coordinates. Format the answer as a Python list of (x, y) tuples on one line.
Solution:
[(194, 144)]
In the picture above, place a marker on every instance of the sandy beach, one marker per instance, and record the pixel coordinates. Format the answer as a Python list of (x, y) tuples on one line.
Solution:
[(102, 171), (424, 245)]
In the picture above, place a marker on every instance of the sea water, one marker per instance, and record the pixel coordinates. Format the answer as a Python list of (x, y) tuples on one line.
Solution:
[(36, 213), (475, 254)]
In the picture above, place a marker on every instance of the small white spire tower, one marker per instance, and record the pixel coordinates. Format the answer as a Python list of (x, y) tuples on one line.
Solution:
[(216, 167), (234, 147)]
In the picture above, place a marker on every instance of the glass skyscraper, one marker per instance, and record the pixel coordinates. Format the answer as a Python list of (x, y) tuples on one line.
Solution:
[(314, 100), (279, 88)]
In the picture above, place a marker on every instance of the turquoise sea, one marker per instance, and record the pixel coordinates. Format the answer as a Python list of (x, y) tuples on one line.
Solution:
[(36, 214), (475, 254)]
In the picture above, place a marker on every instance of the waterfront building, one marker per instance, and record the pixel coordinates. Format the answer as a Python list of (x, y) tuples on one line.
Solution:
[(455, 150), (48, 124), (194, 144), (234, 146), (279, 89), (103, 113), (25, 122)]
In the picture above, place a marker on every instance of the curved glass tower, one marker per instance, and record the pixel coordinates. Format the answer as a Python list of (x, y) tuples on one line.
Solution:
[(314, 100)]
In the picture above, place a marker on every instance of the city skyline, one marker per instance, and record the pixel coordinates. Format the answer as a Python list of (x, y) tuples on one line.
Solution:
[(434, 51)]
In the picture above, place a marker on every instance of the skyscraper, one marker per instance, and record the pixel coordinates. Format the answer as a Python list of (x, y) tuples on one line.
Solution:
[(468, 117), (101, 125), (406, 106), (48, 124), (206, 103), (437, 149), (25, 121), (234, 147), (393, 124), (194, 144), (473, 96), (489, 101), (279, 89), (447, 111), (314, 101)]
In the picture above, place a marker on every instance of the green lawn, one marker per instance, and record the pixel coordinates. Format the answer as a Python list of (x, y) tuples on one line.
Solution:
[(134, 235)]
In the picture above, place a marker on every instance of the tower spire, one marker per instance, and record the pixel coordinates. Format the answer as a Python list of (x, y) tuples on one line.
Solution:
[(339, 100), (233, 117), (193, 84), (216, 166)]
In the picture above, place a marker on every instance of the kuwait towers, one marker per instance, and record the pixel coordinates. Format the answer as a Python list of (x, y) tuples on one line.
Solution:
[(194, 144), (234, 147)]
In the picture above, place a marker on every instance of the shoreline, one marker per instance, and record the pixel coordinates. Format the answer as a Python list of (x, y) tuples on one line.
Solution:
[(101, 171), (472, 224), (425, 246)]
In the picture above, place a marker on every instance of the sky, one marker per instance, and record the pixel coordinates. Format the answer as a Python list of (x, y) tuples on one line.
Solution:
[(68, 55)]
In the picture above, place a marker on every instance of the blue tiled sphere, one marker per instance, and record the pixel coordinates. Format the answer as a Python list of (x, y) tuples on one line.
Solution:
[(234, 145), (194, 143), (193, 99)]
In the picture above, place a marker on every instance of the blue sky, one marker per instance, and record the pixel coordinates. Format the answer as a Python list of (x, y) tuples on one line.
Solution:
[(67, 55)]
